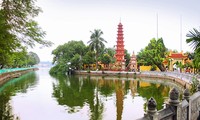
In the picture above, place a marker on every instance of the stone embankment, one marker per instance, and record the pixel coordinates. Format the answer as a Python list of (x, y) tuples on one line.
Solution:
[(180, 78), (4, 77)]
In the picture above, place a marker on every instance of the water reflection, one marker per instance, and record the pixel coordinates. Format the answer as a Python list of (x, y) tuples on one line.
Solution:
[(78, 97), (9, 89), (100, 95)]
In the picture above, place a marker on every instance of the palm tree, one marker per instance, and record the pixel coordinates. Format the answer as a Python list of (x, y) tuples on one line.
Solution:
[(96, 43), (194, 39)]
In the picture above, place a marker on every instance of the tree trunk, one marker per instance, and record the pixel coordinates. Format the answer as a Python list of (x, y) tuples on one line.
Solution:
[(161, 67), (96, 61)]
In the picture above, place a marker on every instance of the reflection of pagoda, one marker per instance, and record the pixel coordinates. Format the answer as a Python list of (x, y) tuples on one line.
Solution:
[(133, 63), (120, 61)]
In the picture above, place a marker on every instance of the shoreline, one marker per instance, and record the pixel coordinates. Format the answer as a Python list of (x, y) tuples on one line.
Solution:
[(5, 77), (184, 83)]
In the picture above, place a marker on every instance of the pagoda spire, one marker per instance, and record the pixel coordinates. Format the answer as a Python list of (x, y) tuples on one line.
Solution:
[(120, 52)]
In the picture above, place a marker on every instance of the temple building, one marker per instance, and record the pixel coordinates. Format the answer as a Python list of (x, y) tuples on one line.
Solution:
[(120, 52), (174, 58)]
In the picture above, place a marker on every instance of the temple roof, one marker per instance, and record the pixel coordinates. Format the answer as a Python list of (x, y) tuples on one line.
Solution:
[(177, 55)]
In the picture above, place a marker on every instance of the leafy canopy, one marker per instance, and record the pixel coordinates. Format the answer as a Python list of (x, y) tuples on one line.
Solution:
[(153, 54)]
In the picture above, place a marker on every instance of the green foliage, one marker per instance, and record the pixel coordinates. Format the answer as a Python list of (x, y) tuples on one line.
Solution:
[(153, 68), (88, 58), (127, 57), (194, 85), (18, 30), (153, 54), (194, 39), (106, 59), (33, 59), (19, 17), (72, 52)]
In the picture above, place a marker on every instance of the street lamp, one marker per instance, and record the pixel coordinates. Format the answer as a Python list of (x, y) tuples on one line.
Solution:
[(69, 70)]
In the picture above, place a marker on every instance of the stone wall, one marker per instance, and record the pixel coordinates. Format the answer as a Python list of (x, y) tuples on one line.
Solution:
[(4, 77)]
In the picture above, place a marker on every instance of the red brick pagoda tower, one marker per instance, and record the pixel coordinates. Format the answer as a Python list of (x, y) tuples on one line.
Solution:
[(120, 52)]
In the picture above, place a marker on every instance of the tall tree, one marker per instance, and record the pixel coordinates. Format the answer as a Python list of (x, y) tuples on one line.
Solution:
[(96, 43), (153, 54)]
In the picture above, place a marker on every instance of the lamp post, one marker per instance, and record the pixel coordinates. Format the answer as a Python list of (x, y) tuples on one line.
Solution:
[(69, 70)]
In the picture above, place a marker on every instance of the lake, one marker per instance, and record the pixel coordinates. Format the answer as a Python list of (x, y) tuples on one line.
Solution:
[(40, 96)]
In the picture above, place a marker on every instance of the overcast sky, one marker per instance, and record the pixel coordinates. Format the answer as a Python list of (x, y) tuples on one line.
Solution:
[(65, 20)]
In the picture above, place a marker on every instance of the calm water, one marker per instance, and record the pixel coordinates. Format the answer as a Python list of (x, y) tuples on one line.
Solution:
[(39, 96)]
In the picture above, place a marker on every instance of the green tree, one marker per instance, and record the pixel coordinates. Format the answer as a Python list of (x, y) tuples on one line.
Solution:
[(194, 41), (19, 16), (32, 59), (127, 57), (72, 52), (196, 62), (106, 59), (96, 43), (18, 29), (153, 54), (88, 58)]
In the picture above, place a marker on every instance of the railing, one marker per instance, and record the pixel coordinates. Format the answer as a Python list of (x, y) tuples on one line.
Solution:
[(186, 109), (13, 69)]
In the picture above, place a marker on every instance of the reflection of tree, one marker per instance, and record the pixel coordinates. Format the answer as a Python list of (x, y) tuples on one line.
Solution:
[(156, 91), (97, 107), (107, 88), (75, 93), (11, 88)]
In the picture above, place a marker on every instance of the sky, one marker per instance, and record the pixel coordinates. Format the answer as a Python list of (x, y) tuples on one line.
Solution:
[(142, 20)]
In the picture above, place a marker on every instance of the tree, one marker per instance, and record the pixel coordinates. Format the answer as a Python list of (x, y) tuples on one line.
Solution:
[(72, 52), (88, 58), (106, 59), (18, 29), (194, 39), (127, 57), (153, 54), (19, 16), (96, 43), (33, 59)]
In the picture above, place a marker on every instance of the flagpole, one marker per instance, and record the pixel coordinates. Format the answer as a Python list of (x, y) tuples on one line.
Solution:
[(181, 33), (157, 25)]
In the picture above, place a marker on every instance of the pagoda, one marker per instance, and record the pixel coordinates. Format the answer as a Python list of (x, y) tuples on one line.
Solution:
[(120, 52), (133, 63)]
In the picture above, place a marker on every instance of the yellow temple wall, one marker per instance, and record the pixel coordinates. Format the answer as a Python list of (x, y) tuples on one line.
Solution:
[(147, 68)]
